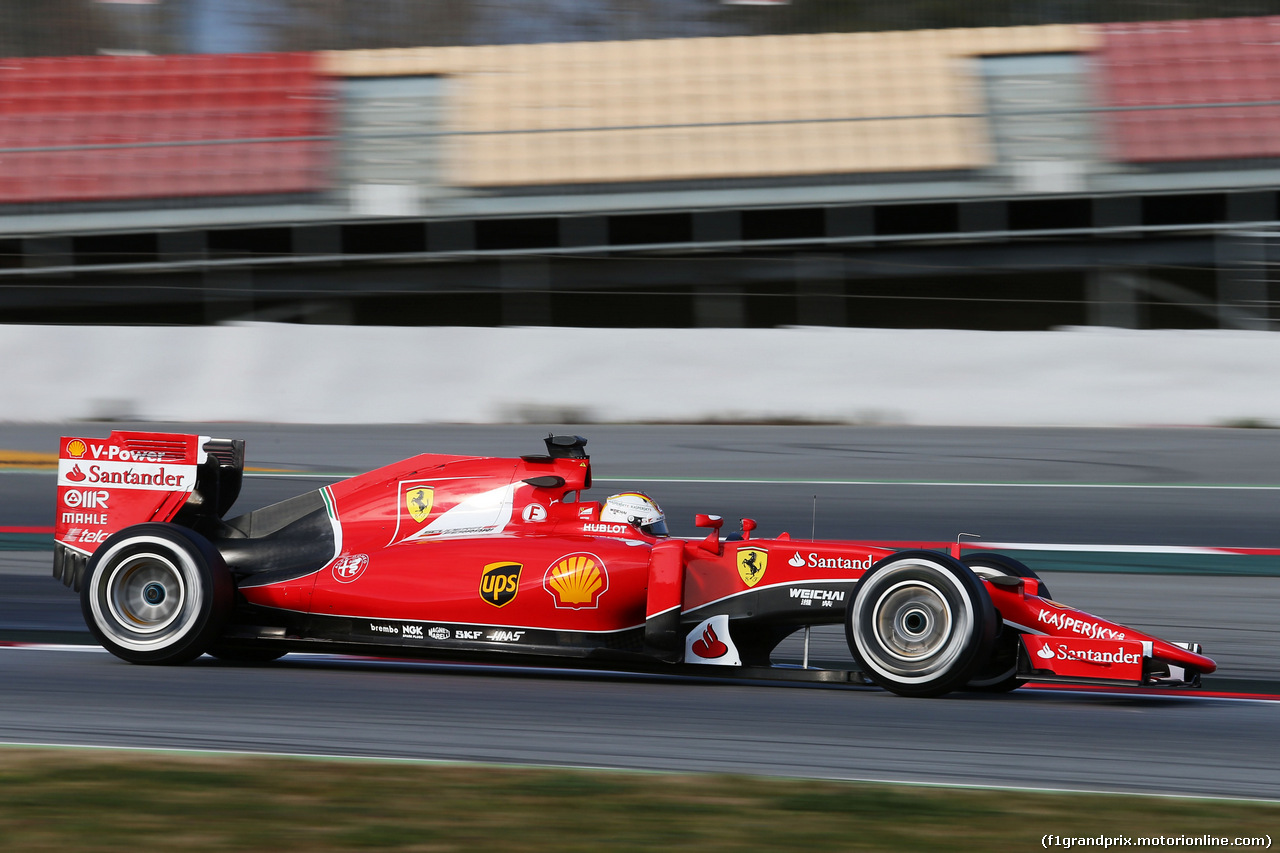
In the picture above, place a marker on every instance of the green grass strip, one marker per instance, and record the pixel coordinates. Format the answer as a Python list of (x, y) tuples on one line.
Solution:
[(59, 800)]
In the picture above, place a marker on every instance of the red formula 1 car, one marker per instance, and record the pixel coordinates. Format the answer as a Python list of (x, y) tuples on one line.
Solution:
[(465, 557)]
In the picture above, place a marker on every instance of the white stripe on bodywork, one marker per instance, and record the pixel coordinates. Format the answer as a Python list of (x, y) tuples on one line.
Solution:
[(486, 512)]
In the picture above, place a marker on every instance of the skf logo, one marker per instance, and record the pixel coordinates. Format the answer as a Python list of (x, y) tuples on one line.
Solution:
[(751, 564), (76, 448), (499, 583), (576, 581), (418, 500)]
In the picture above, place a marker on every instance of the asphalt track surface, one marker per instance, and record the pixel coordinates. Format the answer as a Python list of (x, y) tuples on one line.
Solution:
[(1073, 486)]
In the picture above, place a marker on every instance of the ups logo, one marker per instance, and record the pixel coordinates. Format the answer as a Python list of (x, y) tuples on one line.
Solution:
[(499, 583)]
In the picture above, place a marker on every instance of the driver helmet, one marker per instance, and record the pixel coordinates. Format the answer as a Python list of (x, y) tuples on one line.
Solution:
[(637, 509)]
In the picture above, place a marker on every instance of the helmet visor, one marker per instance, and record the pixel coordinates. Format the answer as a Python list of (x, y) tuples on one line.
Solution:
[(657, 528)]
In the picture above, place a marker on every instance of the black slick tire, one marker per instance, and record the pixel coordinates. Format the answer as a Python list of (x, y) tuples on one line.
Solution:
[(999, 673), (156, 594), (920, 623)]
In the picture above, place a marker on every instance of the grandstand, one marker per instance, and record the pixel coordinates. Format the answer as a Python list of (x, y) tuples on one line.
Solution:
[(1002, 177)]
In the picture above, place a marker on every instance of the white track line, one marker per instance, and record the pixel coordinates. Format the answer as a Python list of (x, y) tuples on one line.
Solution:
[(735, 481)]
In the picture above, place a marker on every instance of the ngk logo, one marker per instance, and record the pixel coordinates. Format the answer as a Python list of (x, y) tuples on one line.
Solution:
[(89, 498)]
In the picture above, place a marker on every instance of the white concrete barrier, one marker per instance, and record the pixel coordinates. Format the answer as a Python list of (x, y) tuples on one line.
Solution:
[(353, 374)]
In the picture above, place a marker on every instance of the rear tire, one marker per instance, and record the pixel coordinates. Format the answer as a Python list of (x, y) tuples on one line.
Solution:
[(920, 623), (156, 594), (999, 673)]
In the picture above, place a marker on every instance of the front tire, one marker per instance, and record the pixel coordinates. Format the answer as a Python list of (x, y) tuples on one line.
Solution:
[(156, 594), (1000, 673), (987, 565), (920, 624)]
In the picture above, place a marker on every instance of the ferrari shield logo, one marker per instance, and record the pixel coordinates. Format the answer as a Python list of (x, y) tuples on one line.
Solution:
[(751, 564), (417, 499)]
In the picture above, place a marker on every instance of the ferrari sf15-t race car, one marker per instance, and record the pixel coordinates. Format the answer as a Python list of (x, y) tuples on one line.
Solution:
[(476, 558)]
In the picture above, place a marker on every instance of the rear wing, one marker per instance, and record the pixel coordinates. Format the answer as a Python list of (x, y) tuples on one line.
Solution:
[(128, 478)]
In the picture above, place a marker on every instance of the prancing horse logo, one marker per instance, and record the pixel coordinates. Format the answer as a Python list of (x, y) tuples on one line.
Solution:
[(418, 500), (751, 564)]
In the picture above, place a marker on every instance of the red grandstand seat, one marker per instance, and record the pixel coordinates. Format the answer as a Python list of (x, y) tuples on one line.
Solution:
[(51, 106), (1233, 62)]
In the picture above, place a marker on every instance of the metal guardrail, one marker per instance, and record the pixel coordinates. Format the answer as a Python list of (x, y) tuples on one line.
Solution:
[(615, 250)]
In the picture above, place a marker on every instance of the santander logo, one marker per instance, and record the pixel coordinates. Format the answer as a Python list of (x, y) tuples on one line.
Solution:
[(709, 646), (75, 475), (796, 560), (1046, 653)]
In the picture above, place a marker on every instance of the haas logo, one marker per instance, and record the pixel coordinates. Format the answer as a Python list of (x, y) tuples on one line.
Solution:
[(709, 646)]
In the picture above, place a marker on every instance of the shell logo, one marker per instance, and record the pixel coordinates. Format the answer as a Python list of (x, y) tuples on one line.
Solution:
[(76, 448), (577, 581)]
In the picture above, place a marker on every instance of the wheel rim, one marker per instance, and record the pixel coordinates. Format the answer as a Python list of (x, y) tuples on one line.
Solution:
[(912, 622), (145, 593)]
